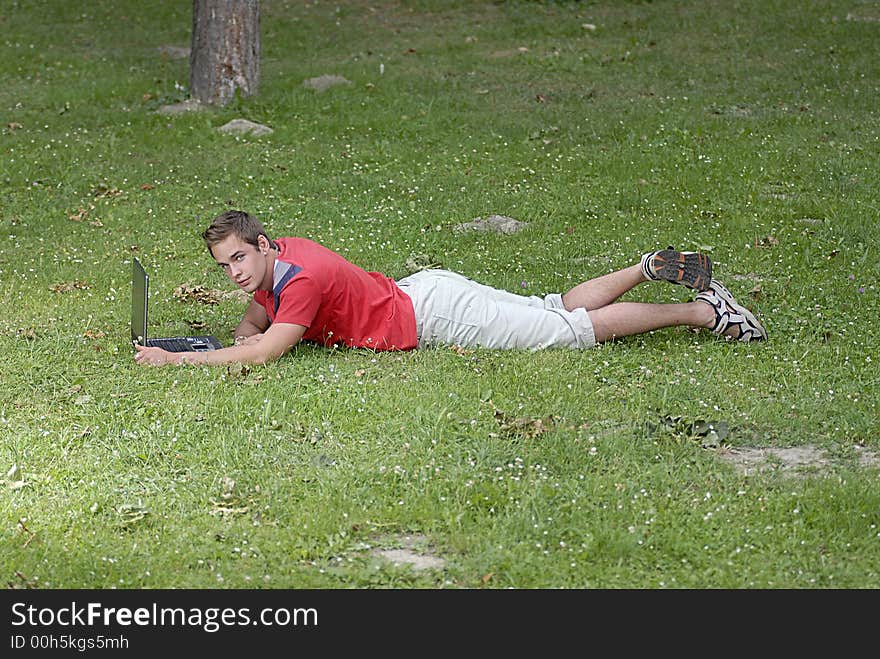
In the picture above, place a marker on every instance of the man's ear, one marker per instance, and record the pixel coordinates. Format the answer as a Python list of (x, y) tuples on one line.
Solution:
[(263, 242)]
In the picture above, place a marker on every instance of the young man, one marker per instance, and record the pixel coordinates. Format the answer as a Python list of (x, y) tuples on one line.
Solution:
[(303, 291)]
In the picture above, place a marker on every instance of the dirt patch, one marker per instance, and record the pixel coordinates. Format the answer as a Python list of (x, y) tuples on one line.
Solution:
[(867, 458), (415, 551), (794, 461)]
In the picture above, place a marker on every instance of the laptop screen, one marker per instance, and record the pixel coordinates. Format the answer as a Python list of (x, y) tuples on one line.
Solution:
[(139, 289)]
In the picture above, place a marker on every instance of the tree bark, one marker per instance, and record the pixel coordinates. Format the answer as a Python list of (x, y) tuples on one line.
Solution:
[(225, 53)]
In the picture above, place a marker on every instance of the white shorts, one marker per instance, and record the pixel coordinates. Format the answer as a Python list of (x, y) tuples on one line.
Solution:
[(454, 310)]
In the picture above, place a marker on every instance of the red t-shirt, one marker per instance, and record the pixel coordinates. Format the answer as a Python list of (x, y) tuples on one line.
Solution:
[(336, 300)]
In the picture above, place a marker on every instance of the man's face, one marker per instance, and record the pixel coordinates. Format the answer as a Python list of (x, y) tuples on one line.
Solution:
[(243, 263)]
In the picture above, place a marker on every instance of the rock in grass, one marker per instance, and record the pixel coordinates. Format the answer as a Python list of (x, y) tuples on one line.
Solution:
[(244, 126), (189, 105), (493, 223), (325, 82)]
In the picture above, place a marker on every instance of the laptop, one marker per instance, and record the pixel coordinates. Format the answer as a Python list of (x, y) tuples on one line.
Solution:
[(140, 294)]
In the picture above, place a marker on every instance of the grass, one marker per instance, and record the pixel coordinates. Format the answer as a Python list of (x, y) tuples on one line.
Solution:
[(748, 130)]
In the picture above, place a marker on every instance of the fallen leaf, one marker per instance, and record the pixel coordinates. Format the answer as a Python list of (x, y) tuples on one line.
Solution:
[(105, 191), (198, 293), (80, 214), (229, 503), (228, 484), (66, 287), (237, 369), (223, 510), (417, 262), (131, 514), (528, 427), (769, 241)]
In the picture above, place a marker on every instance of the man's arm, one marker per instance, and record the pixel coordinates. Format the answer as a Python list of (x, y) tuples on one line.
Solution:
[(254, 322), (277, 340)]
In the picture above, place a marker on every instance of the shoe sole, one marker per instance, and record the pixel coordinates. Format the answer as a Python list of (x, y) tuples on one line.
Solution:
[(690, 269)]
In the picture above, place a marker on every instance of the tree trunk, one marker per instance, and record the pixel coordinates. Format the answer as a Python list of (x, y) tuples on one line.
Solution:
[(225, 53)]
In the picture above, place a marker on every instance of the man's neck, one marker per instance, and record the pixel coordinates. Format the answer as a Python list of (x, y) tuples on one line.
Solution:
[(268, 282)]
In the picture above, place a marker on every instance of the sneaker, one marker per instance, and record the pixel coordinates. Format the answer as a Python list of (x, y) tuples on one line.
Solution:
[(691, 269), (732, 320)]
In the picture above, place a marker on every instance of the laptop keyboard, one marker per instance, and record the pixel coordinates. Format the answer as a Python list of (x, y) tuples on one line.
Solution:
[(171, 344)]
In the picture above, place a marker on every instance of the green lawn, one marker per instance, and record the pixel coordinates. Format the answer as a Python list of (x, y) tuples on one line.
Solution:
[(748, 130)]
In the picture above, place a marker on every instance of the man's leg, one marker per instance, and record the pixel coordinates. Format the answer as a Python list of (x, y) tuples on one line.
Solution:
[(614, 320), (628, 318), (690, 269), (602, 291), (456, 310), (714, 308)]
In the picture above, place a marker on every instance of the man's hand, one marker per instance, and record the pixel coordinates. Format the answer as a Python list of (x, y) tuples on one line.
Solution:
[(248, 340), (153, 356), (255, 349)]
